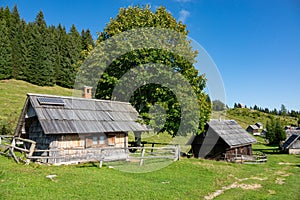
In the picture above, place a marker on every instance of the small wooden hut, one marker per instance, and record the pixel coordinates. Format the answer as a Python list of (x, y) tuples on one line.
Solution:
[(254, 129), (69, 129), (292, 144), (222, 139)]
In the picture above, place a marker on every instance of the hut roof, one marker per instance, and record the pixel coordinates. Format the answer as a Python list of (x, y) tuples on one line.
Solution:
[(231, 132), (254, 127), (258, 124), (290, 141), (67, 115)]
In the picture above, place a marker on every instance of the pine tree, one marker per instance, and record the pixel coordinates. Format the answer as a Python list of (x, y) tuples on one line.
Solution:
[(86, 40), (25, 47), (75, 44), (64, 61), (5, 51), (16, 33), (42, 72)]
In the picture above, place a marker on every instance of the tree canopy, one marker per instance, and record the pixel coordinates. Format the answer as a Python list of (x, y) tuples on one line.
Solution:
[(275, 133), (218, 105), (173, 69)]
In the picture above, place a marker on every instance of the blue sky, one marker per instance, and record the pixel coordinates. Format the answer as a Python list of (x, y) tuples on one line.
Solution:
[(254, 43)]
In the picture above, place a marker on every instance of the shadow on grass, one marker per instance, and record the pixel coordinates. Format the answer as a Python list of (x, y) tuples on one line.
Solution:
[(88, 164), (269, 151)]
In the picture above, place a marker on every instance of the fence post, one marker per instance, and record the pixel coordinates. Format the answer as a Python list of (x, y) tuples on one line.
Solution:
[(152, 148), (143, 153), (177, 152), (11, 150), (31, 150)]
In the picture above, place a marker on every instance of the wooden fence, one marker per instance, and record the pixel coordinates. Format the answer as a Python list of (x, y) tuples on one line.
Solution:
[(255, 159), (29, 153), (10, 144)]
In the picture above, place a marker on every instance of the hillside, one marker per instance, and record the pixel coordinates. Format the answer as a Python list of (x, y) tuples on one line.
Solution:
[(245, 117), (13, 95)]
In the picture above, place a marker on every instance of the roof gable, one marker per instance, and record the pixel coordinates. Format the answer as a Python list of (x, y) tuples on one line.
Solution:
[(290, 141), (231, 132), (66, 115), (253, 127)]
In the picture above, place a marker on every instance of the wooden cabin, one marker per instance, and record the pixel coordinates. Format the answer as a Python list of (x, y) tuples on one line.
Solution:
[(222, 139), (71, 130), (292, 144), (259, 125), (253, 129)]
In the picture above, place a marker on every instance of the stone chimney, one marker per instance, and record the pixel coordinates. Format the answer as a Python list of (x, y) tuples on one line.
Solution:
[(87, 92)]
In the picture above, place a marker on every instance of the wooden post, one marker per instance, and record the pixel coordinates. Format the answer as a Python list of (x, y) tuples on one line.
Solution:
[(177, 152), (152, 148), (31, 150), (101, 159), (143, 153), (11, 150)]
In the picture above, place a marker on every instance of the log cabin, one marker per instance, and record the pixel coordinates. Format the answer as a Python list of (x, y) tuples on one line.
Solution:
[(222, 139), (72, 130)]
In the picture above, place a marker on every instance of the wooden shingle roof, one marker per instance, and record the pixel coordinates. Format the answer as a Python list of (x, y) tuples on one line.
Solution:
[(254, 127), (290, 141), (231, 132), (66, 115)]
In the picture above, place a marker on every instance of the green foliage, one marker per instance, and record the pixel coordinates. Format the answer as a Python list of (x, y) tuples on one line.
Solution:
[(37, 53), (5, 51), (152, 60), (218, 105), (275, 132), (245, 117), (283, 110)]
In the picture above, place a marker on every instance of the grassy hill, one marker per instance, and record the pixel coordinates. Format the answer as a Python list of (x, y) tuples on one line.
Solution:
[(279, 178), (245, 117), (13, 95), (191, 178)]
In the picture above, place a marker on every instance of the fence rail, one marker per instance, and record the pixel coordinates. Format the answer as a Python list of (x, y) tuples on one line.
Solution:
[(247, 159), (30, 153)]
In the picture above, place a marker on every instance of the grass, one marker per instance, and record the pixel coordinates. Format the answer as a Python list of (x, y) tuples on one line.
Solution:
[(279, 178), (245, 117), (13, 95)]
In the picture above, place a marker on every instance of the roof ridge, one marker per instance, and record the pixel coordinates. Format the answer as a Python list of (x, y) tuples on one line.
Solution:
[(76, 98)]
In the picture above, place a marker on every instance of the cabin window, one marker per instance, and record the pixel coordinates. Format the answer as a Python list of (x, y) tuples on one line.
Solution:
[(95, 140), (101, 139)]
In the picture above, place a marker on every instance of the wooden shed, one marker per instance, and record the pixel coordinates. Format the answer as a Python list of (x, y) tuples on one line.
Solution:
[(292, 144), (254, 129), (69, 129), (222, 139)]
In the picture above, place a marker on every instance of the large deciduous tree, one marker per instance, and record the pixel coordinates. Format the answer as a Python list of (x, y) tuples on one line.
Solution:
[(150, 94)]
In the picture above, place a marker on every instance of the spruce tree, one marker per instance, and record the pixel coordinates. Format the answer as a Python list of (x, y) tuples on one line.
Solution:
[(5, 51), (42, 71), (16, 33), (64, 60)]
